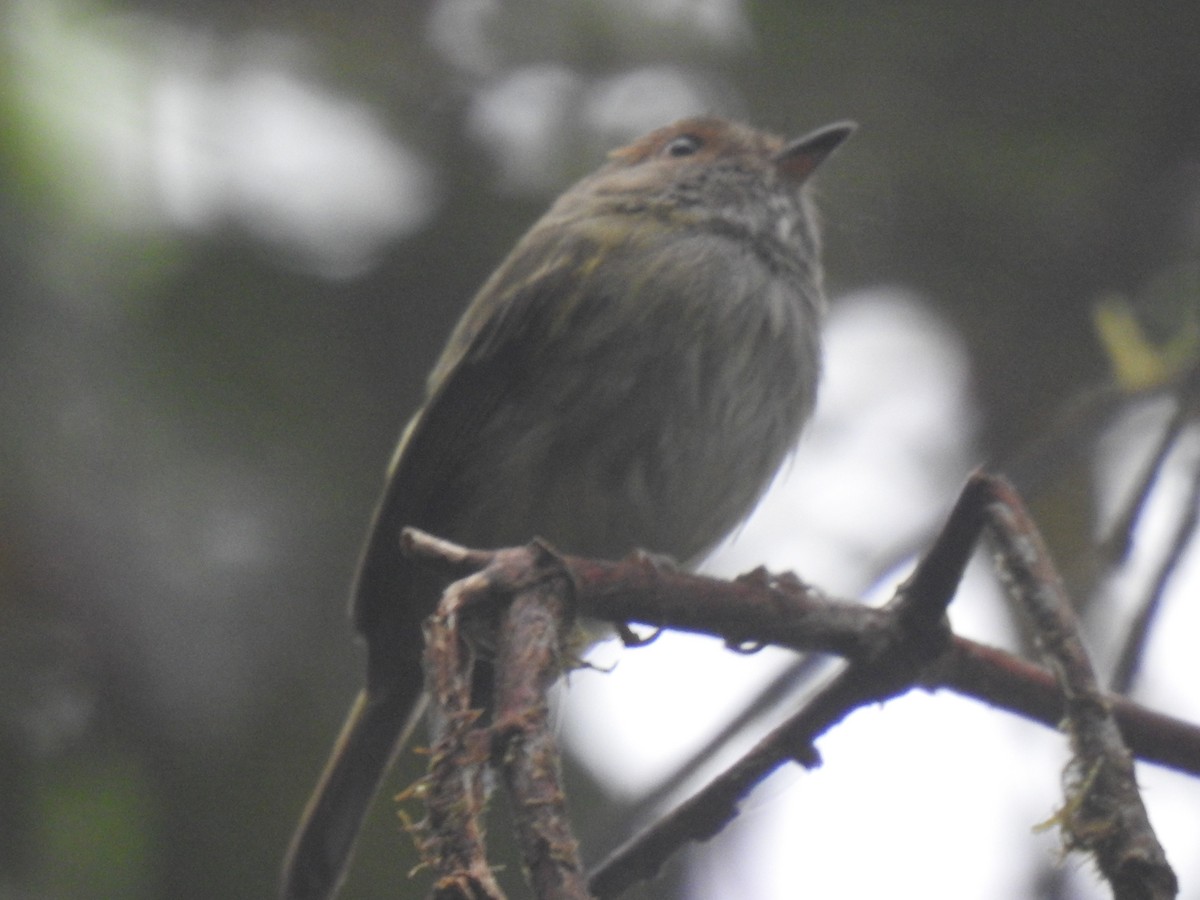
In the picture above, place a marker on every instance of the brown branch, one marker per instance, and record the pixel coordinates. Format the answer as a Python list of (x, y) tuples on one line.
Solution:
[(755, 608), (1126, 848), (758, 609), (1008, 682), (759, 606), (906, 644), (912, 635), (710, 809), (528, 662), (534, 588), (1104, 813), (450, 838)]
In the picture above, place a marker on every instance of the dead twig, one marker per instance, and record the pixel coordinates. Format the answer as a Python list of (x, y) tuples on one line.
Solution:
[(528, 662), (535, 589), (1104, 813), (451, 837), (906, 644)]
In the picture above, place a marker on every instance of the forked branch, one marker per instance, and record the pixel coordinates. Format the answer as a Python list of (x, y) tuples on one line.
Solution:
[(906, 644)]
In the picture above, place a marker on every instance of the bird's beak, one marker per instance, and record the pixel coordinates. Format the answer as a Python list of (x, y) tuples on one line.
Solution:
[(800, 158)]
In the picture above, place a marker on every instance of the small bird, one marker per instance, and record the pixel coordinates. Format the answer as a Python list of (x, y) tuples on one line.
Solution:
[(630, 377)]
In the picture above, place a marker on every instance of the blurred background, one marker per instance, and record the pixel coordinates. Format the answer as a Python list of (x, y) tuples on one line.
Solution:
[(233, 238)]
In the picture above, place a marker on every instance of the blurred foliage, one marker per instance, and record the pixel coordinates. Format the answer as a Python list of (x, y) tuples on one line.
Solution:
[(233, 237)]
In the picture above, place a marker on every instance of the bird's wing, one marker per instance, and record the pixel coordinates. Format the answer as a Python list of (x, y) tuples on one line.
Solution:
[(494, 347)]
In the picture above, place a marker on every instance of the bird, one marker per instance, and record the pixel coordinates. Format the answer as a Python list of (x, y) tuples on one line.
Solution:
[(630, 377)]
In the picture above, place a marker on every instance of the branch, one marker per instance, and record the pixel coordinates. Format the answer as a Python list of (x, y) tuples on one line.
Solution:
[(528, 662), (450, 839), (1104, 813), (911, 634), (519, 742), (906, 644)]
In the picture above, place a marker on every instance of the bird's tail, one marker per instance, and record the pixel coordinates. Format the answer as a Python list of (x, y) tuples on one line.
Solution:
[(379, 724)]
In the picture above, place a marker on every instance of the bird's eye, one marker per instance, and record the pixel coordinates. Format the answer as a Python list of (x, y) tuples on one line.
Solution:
[(684, 145)]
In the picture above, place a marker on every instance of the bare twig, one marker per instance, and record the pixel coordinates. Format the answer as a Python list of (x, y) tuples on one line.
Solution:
[(631, 591), (707, 812), (535, 588), (1010, 683), (451, 837), (1104, 813), (916, 633), (528, 661), (755, 608), (908, 643)]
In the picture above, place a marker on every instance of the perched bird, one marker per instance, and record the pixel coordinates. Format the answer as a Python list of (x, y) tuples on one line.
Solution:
[(630, 377)]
